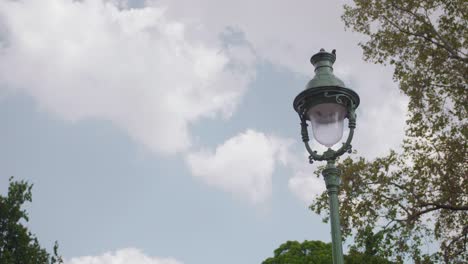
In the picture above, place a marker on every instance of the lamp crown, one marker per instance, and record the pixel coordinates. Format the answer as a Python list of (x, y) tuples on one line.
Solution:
[(324, 88), (322, 57), (323, 63)]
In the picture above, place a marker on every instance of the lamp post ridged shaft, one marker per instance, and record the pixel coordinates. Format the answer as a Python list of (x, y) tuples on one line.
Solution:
[(331, 175)]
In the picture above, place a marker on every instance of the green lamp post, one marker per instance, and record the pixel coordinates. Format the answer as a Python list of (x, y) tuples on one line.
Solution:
[(325, 103)]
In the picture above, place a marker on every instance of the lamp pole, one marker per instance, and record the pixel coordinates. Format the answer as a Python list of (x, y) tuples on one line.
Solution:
[(325, 103), (332, 180)]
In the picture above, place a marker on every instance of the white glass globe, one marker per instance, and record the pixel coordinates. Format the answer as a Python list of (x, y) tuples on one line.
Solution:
[(327, 123)]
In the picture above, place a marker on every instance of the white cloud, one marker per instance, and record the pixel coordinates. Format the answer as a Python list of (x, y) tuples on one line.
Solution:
[(154, 71), (148, 74), (305, 185), (242, 165), (123, 256), (287, 35)]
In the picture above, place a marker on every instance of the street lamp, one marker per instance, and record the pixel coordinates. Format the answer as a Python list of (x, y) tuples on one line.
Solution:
[(325, 103)]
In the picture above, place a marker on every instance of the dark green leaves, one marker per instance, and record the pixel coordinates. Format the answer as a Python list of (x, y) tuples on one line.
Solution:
[(318, 252), (293, 252), (17, 244)]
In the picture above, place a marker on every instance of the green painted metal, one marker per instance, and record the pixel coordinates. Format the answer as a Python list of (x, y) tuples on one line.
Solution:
[(331, 175), (325, 87), (323, 63)]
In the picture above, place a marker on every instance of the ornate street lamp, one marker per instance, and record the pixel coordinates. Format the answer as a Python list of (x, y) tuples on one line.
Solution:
[(325, 103)]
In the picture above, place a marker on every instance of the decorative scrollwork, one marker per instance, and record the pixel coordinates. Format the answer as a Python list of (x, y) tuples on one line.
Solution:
[(351, 117), (304, 132), (338, 97)]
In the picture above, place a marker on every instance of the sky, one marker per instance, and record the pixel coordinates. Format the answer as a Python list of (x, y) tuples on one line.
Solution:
[(162, 132)]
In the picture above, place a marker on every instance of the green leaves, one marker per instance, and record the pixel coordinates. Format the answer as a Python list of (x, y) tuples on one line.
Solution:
[(17, 244), (318, 252), (421, 194), (293, 252)]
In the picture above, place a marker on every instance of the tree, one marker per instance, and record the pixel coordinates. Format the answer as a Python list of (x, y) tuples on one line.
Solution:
[(317, 252), (420, 194), (293, 252), (17, 244)]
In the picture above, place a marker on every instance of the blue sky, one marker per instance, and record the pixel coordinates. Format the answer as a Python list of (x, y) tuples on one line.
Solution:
[(163, 132)]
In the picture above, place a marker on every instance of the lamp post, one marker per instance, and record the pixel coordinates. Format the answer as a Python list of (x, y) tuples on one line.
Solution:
[(325, 103)]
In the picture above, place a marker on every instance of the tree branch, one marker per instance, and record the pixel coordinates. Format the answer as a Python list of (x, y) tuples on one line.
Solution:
[(427, 21), (418, 214), (435, 208), (437, 34), (431, 40), (445, 206)]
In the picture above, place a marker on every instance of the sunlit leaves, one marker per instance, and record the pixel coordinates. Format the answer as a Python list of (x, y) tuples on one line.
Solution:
[(421, 194)]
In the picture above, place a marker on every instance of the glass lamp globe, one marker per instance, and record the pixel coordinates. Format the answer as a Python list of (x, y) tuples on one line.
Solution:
[(327, 122)]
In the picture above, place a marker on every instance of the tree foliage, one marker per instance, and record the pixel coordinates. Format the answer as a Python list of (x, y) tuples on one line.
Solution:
[(410, 198), (318, 252), (17, 244), (293, 252)]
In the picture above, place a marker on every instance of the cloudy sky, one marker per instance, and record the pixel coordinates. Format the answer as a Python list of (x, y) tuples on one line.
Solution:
[(162, 132)]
